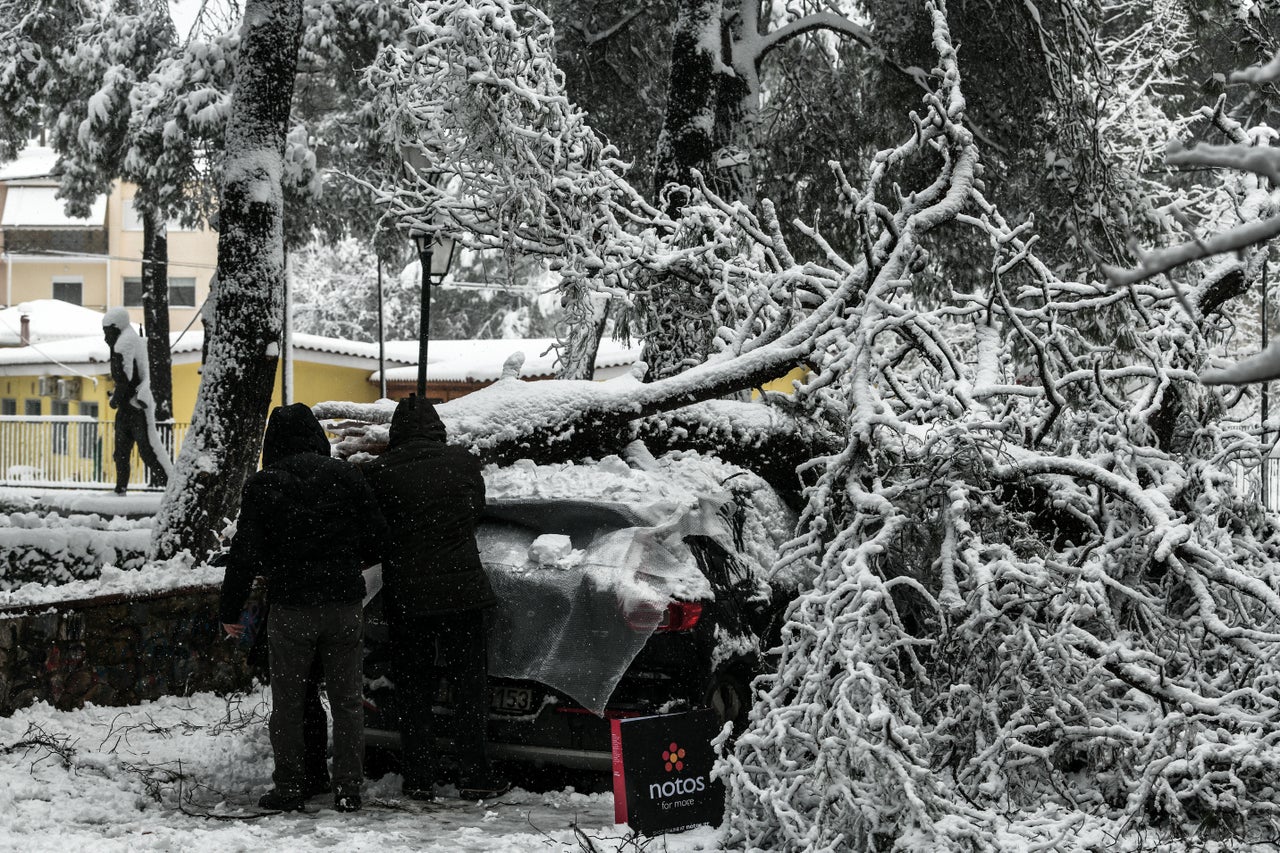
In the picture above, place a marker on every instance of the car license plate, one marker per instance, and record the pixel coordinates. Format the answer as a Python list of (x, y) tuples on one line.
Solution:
[(511, 700), (502, 700)]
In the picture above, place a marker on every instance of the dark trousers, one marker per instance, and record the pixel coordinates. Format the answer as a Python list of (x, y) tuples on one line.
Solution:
[(131, 429), (301, 637), (315, 724), (463, 658)]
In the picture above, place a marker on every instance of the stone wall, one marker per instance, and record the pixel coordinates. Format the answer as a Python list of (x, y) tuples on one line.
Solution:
[(118, 649)]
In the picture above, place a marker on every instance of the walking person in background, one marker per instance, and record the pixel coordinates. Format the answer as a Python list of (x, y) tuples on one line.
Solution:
[(308, 524), (131, 398), (436, 595)]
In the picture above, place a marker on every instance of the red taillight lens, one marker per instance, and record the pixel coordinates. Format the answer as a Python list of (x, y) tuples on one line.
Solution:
[(680, 616), (677, 616)]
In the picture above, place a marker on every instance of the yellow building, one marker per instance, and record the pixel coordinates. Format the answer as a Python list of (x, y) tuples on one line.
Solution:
[(57, 424), (94, 261)]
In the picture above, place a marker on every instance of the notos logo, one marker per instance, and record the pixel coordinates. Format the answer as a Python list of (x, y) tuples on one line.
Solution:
[(673, 758)]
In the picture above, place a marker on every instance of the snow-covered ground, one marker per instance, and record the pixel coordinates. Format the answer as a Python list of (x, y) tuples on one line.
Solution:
[(184, 774)]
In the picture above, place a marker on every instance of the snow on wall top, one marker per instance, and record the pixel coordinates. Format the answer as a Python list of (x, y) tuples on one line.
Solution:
[(50, 320), (34, 161), (177, 573), (482, 361), (40, 207)]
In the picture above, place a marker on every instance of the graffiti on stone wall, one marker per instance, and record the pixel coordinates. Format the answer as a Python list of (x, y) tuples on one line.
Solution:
[(117, 653)]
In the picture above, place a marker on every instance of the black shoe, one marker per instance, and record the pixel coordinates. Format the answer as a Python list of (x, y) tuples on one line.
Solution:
[(348, 801), (422, 795), (282, 800), (317, 786), (121, 490), (489, 788)]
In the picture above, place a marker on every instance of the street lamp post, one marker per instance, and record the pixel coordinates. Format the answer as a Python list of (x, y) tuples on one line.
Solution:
[(435, 253)]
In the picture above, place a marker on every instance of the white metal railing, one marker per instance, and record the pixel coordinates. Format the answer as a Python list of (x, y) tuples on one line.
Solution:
[(1260, 480), (70, 450)]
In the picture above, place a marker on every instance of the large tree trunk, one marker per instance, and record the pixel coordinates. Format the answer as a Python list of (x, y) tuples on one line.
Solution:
[(707, 127), (155, 311), (231, 410), (685, 141)]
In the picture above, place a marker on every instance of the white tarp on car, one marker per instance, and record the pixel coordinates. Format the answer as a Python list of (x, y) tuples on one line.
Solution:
[(577, 623)]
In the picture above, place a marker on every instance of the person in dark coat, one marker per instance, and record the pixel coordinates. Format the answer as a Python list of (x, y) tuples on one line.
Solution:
[(436, 595), (308, 524)]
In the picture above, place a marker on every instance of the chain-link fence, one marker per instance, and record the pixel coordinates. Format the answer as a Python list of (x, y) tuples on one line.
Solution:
[(70, 451)]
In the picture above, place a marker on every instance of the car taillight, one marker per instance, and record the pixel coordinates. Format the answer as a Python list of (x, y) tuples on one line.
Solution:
[(680, 616), (676, 616)]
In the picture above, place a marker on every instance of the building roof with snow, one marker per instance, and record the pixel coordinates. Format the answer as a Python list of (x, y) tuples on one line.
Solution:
[(34, 161), (40, 207), (482, 361), (87, 350), (48, 320)]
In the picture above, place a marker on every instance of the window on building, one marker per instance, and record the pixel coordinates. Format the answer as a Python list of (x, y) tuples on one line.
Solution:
[(132, 292), (68, 288), (90, 447), (182, 292), (61, 408), (131, 221), (8, 406), (33, 408)]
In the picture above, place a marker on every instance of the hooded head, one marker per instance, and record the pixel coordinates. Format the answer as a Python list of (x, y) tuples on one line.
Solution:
[(291, 430), (416, 418), (117, 318), (114, 322)]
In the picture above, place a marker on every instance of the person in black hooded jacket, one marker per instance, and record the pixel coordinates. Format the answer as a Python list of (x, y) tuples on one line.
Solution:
[(435, 594), (308, 524)]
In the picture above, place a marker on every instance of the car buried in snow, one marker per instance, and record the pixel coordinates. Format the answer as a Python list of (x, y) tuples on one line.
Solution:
[(624, 590)]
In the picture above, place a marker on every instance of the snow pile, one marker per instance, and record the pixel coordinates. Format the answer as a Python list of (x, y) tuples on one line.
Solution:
[(552, 549)]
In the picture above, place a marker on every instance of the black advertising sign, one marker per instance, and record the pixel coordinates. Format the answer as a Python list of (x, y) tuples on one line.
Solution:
[(662, 772)]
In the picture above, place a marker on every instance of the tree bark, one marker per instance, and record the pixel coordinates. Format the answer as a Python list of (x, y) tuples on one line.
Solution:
[(587, 321), (685, 141), (155, 311), (226, 428)]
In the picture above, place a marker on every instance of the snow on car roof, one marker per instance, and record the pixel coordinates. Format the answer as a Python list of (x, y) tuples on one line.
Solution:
[(677, 485), (651, 494)]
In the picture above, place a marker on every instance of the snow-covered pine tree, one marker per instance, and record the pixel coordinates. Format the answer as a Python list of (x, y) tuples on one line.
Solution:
[(88, 101), (31, 33)]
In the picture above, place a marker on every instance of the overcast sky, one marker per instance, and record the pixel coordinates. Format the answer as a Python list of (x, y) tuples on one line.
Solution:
[(184, 14)]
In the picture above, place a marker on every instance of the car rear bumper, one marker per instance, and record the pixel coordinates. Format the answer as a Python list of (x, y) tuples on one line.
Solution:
[(576, 759)]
